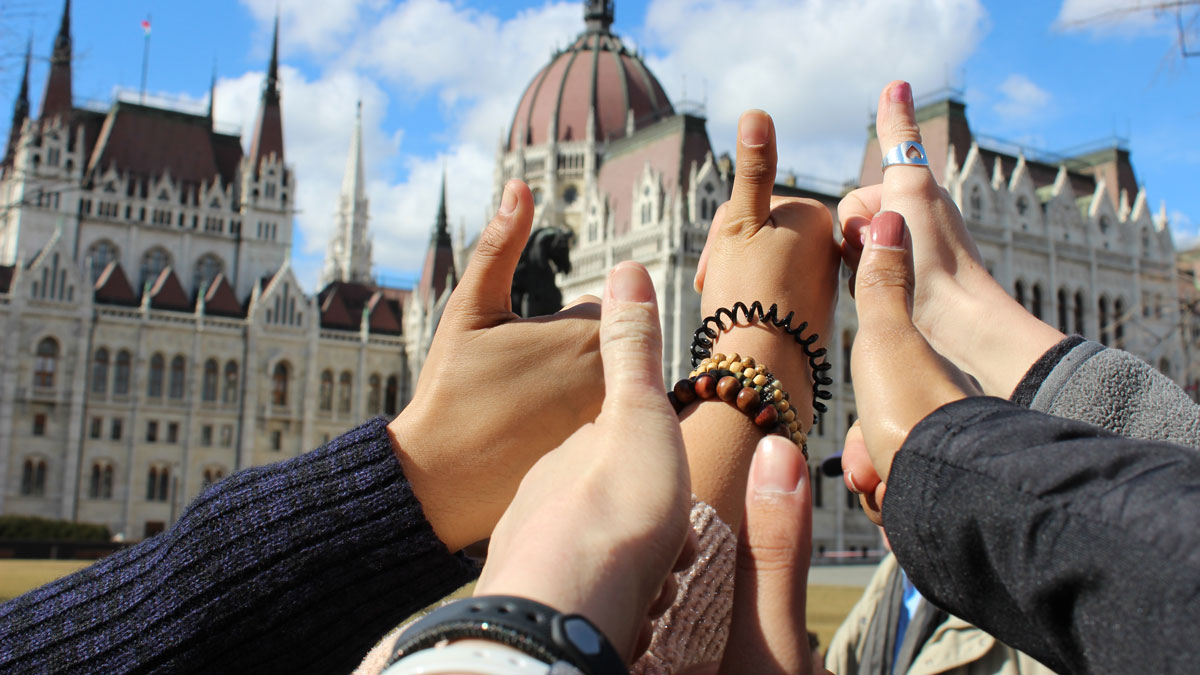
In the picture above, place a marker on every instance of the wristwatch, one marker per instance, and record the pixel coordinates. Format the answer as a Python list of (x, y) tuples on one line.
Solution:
[(527, 626)]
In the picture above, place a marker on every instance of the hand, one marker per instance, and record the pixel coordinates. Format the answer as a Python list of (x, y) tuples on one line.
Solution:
[(957, 304), (598, 524), (463, 449), (779, 251), (768, 633), (898, 378)]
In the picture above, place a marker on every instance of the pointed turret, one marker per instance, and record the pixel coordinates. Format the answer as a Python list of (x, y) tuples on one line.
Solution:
[(268, 130), (212, 96), (57, 99), (438, 273), (598, 15), (349, 254), (20, 111)]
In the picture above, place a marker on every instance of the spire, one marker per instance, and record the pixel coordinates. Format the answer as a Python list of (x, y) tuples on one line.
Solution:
[(438, 273), (268, 131), (20, 111), (212, 95), (349, 255), (57, 98), (598, 15)]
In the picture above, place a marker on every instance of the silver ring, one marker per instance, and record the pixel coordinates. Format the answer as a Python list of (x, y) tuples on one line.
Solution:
[(902, 154)]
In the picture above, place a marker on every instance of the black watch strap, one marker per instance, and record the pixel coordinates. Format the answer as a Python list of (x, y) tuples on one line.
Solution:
[(527, 626)]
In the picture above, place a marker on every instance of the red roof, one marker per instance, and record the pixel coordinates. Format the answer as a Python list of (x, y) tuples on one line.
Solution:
[(112, 287), (167, 293), (220, 300), (148, 142), (342, 304), (595, 71)]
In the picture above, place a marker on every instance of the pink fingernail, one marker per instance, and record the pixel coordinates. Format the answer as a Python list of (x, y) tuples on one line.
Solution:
[(508, 202), (901, 93), (887, 229), (630, 283), (850, 484), (755, 128), (778, 466)]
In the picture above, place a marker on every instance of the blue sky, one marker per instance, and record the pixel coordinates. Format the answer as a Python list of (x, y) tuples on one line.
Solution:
[(439, 81)]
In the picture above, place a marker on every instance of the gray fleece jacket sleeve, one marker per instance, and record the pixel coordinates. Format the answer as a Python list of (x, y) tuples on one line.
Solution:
[(1083, 380)]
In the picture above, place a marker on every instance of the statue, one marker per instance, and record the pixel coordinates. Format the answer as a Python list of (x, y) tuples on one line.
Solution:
[(547, 253)]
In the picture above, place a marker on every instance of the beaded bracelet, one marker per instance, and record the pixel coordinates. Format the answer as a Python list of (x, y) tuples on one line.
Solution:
[(750, 387), (702, 343)]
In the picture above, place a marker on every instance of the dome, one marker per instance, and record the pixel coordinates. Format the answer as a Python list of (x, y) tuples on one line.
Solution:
[(596, 70)]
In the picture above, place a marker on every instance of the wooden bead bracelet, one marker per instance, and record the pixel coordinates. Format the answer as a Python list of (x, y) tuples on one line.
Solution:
[(747, 385)]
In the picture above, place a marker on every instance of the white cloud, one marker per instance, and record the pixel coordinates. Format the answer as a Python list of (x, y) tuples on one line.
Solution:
[(817, 67), (1108, 16), (1184, 231), (315, 25), (1022, 98)]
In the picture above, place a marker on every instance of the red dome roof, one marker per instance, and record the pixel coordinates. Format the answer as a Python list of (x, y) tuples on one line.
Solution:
[(597, 70)]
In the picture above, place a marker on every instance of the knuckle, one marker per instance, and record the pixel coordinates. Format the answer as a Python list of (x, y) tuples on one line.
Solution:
[(882, 277), (491, 242), (767, 553), (903, 129), (756, 169)]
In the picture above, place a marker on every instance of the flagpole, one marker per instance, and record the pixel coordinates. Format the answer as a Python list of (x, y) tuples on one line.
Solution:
[(145, 57)]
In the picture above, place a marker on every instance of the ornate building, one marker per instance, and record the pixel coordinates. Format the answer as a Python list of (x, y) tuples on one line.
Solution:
[(153, 336)]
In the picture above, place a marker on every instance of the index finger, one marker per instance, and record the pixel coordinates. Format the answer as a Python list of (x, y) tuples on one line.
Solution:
[(895, 123), (749, 204)]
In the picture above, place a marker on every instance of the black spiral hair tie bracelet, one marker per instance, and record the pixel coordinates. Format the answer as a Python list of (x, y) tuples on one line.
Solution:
[(702, 343)]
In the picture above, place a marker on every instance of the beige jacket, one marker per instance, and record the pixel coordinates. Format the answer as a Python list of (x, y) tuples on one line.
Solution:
[(956, 646)]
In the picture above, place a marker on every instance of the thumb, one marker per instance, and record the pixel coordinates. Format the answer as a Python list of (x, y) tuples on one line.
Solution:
[(768, 632), (631, 341), (884, 288), (485, 289)]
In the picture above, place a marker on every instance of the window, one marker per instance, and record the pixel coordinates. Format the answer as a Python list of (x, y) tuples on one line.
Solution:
[(208, 388), (230, 394), (1079, 312), (154, 386), (100, 254), (847, 348), (207, 269), (1019, 292), (101, 484), (1063, 311), (227, 436), (1035, 303), (33, 478), (976, 203), (121, 376), (391, 395), (158, 483), (326, 397), (373, 394), (117, 429), (1022, 205), (39, 424), (279, 384), (154, 262), (1102, 305), (344, 385), (818, 486), (100, 371), (152, 431), (851, 500), (173, 432), (154, 528), (212, 475), (206, 435), (96, 428), (178, 372), (820, 424), (276, 440), (1119, 323), (45, 364)]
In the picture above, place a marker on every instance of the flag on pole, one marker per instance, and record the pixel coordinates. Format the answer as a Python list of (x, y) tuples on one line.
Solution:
[(146, 26)]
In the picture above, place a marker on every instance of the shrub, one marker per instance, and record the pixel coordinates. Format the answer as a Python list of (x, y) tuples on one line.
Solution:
[(32, 528)]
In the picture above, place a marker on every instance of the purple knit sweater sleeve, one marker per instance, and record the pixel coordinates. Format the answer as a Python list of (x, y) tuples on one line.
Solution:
[(293, 567)]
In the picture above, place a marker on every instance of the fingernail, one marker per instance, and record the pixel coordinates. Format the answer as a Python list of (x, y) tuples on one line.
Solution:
[(887, 229), (696, 282), (901, 93), (850, 484), (755, 128), (777, 467), (508, 201), (630, 283)]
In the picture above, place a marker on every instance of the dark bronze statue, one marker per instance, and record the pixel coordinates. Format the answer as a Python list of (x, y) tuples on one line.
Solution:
[(547, 253)]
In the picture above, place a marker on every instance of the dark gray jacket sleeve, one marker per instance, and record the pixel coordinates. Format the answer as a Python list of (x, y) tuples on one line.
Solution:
[(1083, 380), (1074, 545)]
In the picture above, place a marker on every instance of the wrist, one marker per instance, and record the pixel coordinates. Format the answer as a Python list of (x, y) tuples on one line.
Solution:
[(426, 475)]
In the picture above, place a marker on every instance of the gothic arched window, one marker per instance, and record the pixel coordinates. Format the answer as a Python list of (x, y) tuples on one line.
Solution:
[(392, 396), (100, 254), (230, 391), (1102, 305), (208, 389), (178, 376), (154, 262), (1035, 302), (1063, 311), (1079, 312), (326, 397), (279, 384), (46, 363), (976, 203), (207, 269), (1019, 292), (100, 371), (33, 477), (154, 384), (121, 376), (373, 394), (344, 386), (1119, 323)]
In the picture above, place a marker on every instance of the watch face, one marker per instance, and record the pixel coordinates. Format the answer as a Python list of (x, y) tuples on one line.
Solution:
[(582, 635)]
